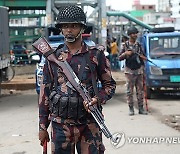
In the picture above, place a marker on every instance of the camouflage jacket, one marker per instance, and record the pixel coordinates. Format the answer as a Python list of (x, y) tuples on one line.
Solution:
[(137, 48), (101, 71)]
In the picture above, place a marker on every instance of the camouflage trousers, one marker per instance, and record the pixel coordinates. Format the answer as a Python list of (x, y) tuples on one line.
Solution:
[(137, 82), (86, 138)]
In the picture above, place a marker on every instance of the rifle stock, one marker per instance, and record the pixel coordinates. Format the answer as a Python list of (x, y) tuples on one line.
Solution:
[(43, 47)]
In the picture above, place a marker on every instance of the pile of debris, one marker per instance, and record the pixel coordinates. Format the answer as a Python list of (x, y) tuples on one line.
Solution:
[(173, 121)]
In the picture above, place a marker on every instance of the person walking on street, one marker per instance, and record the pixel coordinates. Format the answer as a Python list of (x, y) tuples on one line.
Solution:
[(125, 38), (134, 69), (108, 46), (60, 104), (114, 54)]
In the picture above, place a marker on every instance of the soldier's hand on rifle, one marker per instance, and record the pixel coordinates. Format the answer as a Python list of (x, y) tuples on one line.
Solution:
[(128, 53), (43, 136), (143, 57), (125, 54), (87, 105)]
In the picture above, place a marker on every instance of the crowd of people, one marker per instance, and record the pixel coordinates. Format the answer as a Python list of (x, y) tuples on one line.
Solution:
[(114, 50)]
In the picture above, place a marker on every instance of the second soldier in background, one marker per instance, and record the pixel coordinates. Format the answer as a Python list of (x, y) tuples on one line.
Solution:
[(134, 69)]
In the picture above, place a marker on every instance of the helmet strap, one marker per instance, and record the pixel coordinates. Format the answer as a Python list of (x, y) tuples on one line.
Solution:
[(80, 32), (71, 40)]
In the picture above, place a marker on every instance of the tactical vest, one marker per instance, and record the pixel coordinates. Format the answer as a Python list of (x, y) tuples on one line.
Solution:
[(68, 107), (133, 62)]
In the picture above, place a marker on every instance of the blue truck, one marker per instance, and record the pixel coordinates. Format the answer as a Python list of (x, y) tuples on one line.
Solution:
[(162, 48)]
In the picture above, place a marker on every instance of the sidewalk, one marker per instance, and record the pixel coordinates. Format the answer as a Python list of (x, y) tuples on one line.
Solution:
[(20, 82), (119, 77), (27, 81)]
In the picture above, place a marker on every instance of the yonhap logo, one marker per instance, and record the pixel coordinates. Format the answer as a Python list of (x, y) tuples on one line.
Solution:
[(118, 140)]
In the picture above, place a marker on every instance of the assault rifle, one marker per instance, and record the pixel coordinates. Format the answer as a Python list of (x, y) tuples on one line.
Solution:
[(141, 56), (43, 47)]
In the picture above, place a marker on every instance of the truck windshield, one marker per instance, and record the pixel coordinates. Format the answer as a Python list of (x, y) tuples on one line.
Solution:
[(166, 47)]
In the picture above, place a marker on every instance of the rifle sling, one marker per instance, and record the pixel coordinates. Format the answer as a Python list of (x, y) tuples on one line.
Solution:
[(48, 53), (82, 67), (55, 77), (94, 83), (85, 58), (55, 68)]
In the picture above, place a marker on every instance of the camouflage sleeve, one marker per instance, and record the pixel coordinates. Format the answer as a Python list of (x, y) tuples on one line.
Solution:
[(43, 99), (105, 76)]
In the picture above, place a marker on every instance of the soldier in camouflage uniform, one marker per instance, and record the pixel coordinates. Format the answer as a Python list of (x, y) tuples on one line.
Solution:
[(134, 69), (60, 104)]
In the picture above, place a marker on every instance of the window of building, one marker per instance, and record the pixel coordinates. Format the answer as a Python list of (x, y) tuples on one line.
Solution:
[(16, 32), (16, 21), (150, 7)]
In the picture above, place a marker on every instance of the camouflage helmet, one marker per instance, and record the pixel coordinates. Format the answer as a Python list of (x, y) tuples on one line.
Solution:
[(71, 14), (132, 30)]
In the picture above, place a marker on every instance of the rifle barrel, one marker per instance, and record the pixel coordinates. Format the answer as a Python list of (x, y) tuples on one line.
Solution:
[(145, 58)]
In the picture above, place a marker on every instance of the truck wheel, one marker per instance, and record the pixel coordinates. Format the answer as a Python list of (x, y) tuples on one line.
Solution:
[(8, 74), (148, 93)]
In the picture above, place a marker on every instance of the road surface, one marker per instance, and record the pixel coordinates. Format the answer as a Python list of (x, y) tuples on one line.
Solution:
[(140, 134)]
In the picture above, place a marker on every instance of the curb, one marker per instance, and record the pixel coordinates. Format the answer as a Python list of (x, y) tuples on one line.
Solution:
[(120, 82), (18, 86), (25, 78), (28, 86), (28, 81)]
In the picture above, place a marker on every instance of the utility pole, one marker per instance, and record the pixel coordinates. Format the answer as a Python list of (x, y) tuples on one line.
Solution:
[(49, 13), (99, 5), (102, 22)]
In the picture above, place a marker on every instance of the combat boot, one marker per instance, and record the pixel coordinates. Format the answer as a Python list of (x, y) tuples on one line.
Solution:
[(142, 111), (131, 110)]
